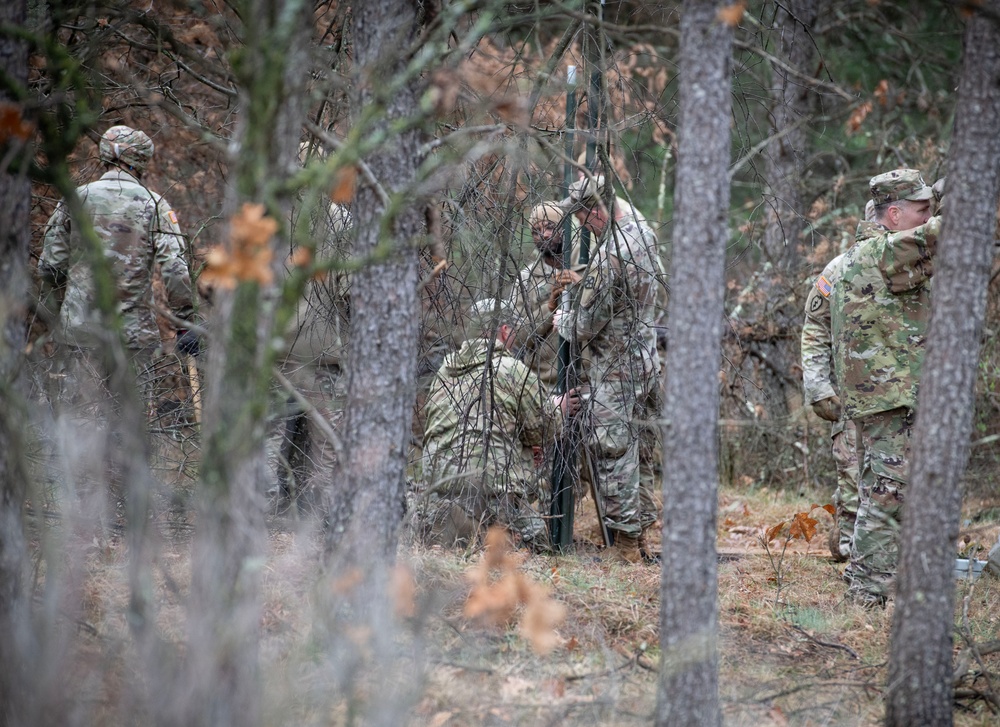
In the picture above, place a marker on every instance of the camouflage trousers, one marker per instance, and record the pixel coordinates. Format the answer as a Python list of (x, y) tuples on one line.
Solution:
[(884, 454), (845, 497), (615, 425), (650, 455), (301, 456), (460, 516)]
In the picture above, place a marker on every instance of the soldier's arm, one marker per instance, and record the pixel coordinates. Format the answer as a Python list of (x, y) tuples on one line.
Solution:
[(596, 307), (53, 264), (907, 257), (817, 348), (168, 242)]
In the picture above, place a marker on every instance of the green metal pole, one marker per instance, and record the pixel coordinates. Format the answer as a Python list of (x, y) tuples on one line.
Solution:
[(561, 522)]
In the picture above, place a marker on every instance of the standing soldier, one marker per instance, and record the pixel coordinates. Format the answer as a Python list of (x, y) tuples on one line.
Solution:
[(880, 310), (485, 412), (138, 230), (316, 349), (614, 325), (819, 385), (537, 293)]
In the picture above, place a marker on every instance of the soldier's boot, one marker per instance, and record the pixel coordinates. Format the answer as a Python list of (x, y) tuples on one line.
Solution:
[(626, 549), (833, 542), (649, 554)]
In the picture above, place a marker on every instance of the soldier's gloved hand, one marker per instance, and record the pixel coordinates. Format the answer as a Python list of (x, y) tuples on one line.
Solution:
[(828, 408), (188, 343)]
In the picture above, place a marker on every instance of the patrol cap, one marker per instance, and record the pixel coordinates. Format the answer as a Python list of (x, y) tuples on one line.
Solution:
[(583, 194), (490, 313), (899, 184), (546, 212), (126, 145)]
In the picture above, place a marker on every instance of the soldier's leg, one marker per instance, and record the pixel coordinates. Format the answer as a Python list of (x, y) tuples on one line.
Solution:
[(884, 463), (845, 497), (650, 456), (327, 397), (615, 444)]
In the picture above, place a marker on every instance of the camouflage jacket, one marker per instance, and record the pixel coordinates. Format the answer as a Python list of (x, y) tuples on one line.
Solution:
[(538, 341), (880, 310), (138, 229), (615, 320), (483, 415), (818, 380)]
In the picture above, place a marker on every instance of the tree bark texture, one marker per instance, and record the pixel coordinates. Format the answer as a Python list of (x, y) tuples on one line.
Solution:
[(272, 70), (790, 109), (367, 504), (920, 667), (15, 203), (688, 684)]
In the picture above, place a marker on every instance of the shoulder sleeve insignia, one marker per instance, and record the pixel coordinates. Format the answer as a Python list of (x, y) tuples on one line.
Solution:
[(173, 216), (824, 287)]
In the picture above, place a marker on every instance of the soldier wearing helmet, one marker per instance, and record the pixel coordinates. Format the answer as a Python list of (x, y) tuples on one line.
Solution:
[(138, 231)]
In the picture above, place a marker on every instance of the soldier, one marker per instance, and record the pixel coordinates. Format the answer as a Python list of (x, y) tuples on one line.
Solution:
[(819, 385), (138, 230), (614, 325), (880, 310), (317, 338), (485, 412), (537, 293)]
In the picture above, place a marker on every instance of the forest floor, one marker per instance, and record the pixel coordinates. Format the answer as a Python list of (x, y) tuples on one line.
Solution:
[(792, 651)]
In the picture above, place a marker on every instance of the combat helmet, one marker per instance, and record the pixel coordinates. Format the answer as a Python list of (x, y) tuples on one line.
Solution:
[(127, 146)]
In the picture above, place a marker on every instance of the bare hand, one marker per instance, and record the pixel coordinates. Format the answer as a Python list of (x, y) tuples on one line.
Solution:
[(828, 408), (562, 279), (568, 403)]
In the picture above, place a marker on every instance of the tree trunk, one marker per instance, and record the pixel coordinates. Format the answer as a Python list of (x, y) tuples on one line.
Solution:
[(767, 351), (15, 203), (272, 71), (920, 666), (368, 503), (688, 685), (790, 109), (367, 500)]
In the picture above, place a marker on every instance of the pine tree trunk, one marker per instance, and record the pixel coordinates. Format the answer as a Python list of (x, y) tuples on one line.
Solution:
[(272, 70), (920, 667), (688, 686)]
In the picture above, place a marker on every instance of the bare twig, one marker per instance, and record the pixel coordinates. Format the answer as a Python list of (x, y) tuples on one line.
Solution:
[(828, 644)]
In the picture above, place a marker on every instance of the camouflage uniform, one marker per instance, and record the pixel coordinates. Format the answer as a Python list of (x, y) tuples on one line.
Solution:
[(818, 384), (651, 405), (484, 414), (880, 311), (317, 338), (614, 325), (538, 341), (138, 229)]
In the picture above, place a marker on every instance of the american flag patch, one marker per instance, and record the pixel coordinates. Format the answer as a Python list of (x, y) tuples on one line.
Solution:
[(824, 287), (173, 216)]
